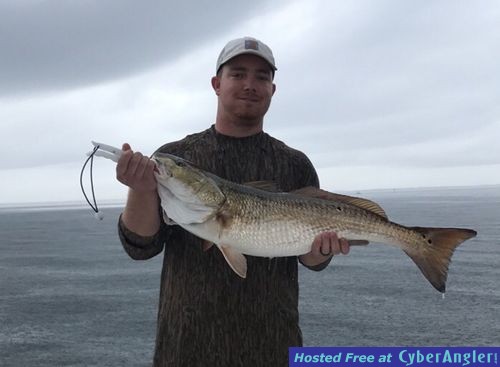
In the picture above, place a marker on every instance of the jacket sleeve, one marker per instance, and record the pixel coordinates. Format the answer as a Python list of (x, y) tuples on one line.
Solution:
[(318, 267), (142, 247)]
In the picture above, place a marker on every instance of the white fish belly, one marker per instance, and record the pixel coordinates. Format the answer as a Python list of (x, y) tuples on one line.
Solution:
[(266, 240), (272, 238)]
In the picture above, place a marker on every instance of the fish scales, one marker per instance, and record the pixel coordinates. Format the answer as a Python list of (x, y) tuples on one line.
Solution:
[(246, 220), (287, 224)]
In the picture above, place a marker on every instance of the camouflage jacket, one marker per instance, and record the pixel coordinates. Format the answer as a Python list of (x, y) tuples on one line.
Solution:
[(208, 316)]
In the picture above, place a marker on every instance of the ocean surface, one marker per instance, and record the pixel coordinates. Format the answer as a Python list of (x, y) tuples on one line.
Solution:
[(70, 296)]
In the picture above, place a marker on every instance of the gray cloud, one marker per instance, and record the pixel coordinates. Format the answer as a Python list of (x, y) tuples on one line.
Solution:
[(409, 89), (47, 45), (403, 73)]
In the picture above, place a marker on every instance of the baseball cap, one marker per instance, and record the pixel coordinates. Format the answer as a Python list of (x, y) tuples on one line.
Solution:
[(245, 45)]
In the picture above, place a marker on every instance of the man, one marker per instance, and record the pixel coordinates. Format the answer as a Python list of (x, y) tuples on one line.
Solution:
[(208, 316)]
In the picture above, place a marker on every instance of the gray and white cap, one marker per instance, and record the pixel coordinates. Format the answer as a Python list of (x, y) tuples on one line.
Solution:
[(245, 45)]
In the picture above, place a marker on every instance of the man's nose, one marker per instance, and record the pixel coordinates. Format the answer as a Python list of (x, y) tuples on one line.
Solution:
[(249, 84)]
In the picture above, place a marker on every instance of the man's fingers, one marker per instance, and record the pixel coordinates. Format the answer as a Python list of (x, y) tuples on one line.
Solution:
[(327, 243), (334, 242), (151, 167), (144, 169), (344, 246), (133, 166), (126, 146), (123, 162), (333, 245), (316, 245)]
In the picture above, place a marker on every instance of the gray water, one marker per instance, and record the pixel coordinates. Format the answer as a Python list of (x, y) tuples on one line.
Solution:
[(70, 296)]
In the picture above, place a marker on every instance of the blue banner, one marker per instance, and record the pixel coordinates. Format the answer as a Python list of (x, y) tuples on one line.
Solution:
[(394, 356)]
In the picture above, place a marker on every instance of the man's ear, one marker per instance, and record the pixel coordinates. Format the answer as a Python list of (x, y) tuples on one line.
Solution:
[(216, 84), (274, 88)]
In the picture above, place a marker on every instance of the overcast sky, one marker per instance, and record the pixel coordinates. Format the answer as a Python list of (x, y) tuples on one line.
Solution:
[(379, 94)]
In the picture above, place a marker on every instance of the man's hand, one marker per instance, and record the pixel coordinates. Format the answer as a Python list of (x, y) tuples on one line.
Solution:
[(141, 214), (324, 246), (136, 171)]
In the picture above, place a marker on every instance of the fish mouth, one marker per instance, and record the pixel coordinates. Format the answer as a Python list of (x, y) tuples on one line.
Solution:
[(168, 165), (163, 171), (162, 176)]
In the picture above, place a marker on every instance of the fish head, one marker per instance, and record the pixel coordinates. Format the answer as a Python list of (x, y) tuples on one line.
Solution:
[(188, 194)]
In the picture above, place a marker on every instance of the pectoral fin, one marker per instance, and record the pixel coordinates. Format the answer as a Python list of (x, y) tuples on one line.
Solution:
[(236, 260)]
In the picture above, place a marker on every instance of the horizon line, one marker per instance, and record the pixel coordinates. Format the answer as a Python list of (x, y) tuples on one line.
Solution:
[(107, 203)]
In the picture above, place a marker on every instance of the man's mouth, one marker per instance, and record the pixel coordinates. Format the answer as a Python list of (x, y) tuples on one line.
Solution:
[(249, 99)]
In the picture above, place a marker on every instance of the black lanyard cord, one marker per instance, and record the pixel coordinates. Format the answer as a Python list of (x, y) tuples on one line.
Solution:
[(91, 159)]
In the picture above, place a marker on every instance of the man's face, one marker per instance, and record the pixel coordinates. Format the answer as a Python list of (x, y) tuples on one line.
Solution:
[(245, 88)]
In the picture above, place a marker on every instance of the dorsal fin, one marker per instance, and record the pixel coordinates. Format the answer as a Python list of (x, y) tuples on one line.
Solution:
[(263, 185), (366, 204)]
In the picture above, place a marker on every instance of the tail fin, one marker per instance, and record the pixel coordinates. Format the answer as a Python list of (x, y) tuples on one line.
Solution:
[(433, 260)]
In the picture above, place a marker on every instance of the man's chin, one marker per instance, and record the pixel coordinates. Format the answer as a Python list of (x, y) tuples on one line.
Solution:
[(249, 119), (250, 114)]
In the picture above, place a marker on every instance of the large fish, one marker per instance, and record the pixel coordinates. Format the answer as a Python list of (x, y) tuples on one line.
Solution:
[(240, 219)]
